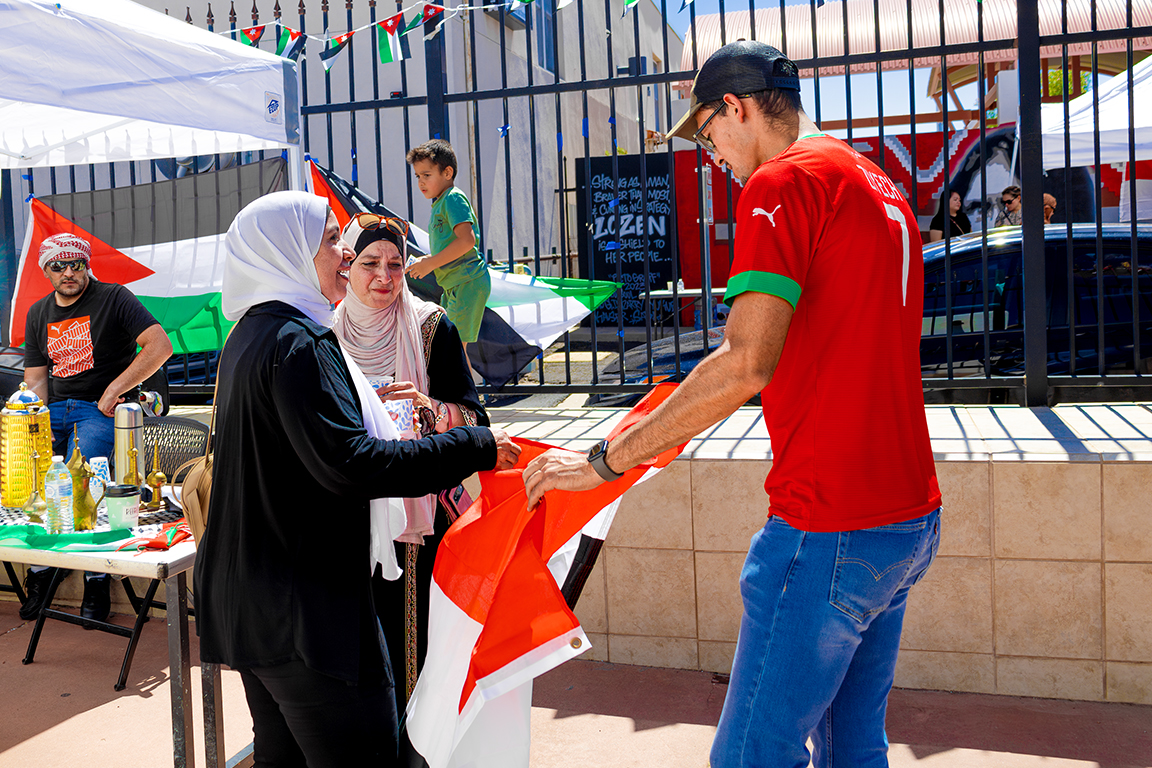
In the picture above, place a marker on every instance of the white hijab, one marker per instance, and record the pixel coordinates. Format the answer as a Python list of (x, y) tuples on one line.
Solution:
[(388, 342), (269, 252)]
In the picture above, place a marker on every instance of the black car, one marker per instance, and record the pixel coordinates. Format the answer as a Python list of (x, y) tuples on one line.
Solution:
[(1088, 297)]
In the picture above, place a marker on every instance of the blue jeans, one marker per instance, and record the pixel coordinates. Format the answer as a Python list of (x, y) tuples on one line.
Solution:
[(93, 427), (818, 642)]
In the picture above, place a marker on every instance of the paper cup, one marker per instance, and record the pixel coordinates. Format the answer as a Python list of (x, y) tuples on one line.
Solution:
[(101, 480), (403, 413), (123, 506), (379, 381)]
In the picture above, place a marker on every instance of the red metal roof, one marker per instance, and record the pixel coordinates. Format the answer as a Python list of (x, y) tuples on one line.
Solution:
[(960, 27)]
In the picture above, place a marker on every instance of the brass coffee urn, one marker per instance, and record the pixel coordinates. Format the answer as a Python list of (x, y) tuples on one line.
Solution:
[(25, 429)]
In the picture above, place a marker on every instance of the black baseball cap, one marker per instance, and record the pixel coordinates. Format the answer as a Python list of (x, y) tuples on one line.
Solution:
[(743, 67)]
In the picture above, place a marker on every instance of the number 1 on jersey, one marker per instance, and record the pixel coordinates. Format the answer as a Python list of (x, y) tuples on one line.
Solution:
[(897, 215)]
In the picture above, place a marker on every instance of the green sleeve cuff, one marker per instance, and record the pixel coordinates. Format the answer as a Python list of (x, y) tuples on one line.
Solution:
[(763, 282)]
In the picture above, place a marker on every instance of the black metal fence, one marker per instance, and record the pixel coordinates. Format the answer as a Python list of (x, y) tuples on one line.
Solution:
[(540, 102)]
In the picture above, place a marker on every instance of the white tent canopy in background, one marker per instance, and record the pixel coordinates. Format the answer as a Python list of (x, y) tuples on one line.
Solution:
[(110, 80), (1114, 122)]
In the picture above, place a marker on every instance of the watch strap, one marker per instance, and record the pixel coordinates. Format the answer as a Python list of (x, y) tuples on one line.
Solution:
[(597, 456)]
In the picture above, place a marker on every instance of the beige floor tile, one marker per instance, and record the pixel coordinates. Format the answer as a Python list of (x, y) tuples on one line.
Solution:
[(1127, 522), (1129, 682), (1106, 421), (651, 592), (951, 608), (718, 603), (966, 526), (672, 652), (657, 514), (1047, 511), (716, 657), (599, 649), (1128, 611), (592, 607), (1050, 678), (728, 503), (1048, 609), (950, 422), (745, 422), (931, 670)]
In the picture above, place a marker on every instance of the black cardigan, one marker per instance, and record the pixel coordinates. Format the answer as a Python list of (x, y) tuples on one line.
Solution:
[(283, 572)]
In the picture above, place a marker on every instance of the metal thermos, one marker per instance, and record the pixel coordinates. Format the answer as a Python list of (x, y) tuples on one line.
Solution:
[(129, 434)]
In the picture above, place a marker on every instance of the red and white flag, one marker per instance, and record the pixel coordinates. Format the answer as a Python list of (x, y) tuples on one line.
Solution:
[(504, 580)]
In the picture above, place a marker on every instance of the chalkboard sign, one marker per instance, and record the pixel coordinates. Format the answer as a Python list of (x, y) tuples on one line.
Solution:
[(622, 211)]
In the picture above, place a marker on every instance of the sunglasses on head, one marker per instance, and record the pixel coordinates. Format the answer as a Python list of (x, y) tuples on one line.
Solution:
[(77, 265), (373, 221)]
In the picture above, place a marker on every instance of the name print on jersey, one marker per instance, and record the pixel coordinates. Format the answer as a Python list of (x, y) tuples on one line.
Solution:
[(881, 184), (70, 346)]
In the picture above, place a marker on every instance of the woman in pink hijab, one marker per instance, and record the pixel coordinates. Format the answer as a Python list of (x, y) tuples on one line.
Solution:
[(411, 353)]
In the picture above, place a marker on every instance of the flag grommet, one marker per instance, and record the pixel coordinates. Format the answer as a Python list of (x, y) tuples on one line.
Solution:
[(575, 642)]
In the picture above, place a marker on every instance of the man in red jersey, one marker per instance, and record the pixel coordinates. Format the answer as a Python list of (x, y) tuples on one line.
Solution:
[(827, 278)]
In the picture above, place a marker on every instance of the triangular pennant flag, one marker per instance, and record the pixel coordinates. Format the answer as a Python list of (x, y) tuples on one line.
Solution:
[(683, 4), (628, 5), (334, 48), (388, 39), (563, 3), (108, 264), (427, 14), (251, 36), (289, 42)]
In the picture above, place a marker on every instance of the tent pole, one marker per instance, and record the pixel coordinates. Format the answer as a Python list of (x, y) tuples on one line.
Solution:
[(296, 169)]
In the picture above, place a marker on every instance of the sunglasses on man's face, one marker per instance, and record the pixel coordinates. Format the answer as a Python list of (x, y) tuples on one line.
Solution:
[(373, 221), (76, 265), (1006, 201)]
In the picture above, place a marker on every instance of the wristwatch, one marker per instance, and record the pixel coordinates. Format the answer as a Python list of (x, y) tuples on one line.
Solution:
[(597, 456)]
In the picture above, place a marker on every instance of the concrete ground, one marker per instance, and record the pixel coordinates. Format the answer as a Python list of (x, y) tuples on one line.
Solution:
[(61, 711)]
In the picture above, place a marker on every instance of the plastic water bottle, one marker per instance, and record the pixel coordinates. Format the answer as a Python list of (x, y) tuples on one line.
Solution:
[(58, 495)]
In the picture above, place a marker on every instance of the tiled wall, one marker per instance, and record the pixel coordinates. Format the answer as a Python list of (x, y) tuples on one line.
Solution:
[(1042, 587)]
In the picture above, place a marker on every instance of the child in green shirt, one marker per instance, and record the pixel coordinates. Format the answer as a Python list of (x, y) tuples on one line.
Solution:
[(454, 239)]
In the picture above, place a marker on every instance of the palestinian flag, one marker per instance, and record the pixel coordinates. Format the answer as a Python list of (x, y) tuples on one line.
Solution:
[(504, 585), (289, 42), (523, 315), (251, 36), (334, 48), (427, 14), (389, 39), (163, 241)]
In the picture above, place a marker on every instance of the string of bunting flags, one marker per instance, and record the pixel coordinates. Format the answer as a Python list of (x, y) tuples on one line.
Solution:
[(391, 46)]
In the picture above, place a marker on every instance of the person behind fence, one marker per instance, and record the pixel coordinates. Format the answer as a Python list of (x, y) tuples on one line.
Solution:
[(1049, 207), (949, 219), (411, 349), (454, 239), (283, 574), (826, 278), (81, 358), (1010, 208)]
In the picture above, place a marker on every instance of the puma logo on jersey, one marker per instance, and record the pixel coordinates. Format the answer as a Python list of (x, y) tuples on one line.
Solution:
[(771, 216)]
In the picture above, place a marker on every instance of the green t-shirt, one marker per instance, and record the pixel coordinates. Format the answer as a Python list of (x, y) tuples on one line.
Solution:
[(448, 210)]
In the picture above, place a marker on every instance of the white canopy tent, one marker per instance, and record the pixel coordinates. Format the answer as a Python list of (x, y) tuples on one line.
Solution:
[(99, 81), (1114, 122)]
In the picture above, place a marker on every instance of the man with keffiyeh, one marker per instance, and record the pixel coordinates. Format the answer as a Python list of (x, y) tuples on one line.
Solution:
[(81, 358)]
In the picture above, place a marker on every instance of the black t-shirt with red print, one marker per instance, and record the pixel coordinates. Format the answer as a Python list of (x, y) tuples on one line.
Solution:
[(88, 344)]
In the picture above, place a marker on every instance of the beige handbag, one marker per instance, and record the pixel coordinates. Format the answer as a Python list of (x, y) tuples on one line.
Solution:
[(196, 490)]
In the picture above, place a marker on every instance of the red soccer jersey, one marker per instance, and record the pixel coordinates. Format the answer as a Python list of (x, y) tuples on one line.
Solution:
[(825, 229)]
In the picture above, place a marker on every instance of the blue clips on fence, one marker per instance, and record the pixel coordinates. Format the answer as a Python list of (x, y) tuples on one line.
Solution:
[(611, 245), (612, 120), (28, 199), (585, 127), (26, 176), (614, 202), (559, 142), (504, 129)]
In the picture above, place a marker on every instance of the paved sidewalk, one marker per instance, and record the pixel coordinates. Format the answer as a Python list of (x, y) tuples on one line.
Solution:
[(61, 711)]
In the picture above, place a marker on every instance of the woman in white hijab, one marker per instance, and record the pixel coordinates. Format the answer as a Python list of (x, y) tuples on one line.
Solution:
[(283, 572), (413, 354)]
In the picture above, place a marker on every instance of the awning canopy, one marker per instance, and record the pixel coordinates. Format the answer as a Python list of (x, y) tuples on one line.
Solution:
[(1112, 97), (960, 27), (96, 82)]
